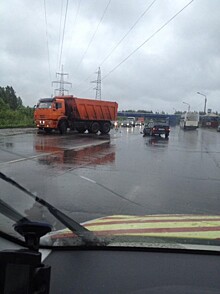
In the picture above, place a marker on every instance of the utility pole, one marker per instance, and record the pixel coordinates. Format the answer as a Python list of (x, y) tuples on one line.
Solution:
[(61, 82), (98, 85), (205, 101), (188, 106)]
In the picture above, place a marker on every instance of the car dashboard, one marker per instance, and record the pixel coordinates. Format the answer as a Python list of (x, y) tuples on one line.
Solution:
[(130, 270)]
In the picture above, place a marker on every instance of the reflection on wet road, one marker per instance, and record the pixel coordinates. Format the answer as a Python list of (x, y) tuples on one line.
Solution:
[(157, 141), (89, 176), (95, 155)]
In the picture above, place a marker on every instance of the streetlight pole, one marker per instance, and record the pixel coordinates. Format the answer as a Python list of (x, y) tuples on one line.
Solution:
[(205, 101), (188, 106)]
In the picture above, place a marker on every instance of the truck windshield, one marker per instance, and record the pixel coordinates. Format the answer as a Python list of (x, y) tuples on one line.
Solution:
[(45, 105)]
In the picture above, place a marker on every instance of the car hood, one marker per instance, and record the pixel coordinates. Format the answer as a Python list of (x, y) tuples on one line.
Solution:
[(149, 229)]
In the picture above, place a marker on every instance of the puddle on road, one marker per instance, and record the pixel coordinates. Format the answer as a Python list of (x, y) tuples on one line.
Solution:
[(103, 154)]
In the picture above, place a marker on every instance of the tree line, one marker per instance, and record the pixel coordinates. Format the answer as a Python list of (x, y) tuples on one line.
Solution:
[(12, 111)]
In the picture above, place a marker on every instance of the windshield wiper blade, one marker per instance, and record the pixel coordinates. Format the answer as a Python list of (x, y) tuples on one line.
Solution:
[(84, 234), (11, 213)]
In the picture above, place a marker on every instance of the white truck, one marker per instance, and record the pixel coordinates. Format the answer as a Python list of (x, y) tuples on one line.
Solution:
[(132, 120), (189, 121)]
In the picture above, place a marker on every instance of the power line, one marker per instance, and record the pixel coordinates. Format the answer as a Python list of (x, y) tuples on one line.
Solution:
[(74, 24), (59, 44), (64, 27), (148, 39), (85, 80), (131, 28), (93, 36), (89, 88), (47, 41)]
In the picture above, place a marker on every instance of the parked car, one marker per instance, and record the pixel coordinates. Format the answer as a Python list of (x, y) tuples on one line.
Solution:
[(126, 123), (153, 128)]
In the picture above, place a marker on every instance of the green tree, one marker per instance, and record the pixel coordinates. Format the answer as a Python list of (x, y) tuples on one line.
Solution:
[(12, 112), (145, 111), (3, 105), (130, 110), (9, 97)]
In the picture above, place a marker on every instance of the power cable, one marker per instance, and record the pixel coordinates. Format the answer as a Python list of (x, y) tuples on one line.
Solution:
[(74, 24), (64, 27), (59, 43), (85, 80), (120, 41), (131, 28), (47, 40), (93, 36), (148, 39)]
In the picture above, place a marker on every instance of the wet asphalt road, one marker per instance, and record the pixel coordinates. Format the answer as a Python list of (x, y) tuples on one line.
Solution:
[(89, 176)]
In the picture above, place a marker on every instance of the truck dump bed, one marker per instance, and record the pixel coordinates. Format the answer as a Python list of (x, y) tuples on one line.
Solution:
[(88, 109)]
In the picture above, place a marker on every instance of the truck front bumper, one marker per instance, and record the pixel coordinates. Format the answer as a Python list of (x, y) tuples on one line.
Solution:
[(46, 124)]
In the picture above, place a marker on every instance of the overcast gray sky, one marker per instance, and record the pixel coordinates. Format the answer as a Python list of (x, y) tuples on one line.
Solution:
[(178, 61)]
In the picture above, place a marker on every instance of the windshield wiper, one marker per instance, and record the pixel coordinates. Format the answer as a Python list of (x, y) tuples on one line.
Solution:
[(31, 231), (11, 213), (84, 234)]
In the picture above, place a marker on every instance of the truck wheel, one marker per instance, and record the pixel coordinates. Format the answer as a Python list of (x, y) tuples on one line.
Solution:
[(63, 128), (95, 127), (81, 130), (105, 128)]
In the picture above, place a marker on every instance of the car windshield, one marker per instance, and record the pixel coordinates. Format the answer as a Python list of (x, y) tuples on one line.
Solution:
[(125, 150)]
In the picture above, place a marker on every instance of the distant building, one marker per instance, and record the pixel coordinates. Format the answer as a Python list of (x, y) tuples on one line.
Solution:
[(211, 120)]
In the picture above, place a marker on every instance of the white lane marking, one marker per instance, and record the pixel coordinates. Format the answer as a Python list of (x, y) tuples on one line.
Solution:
[(80, 147), (23, 159), (87, 179)]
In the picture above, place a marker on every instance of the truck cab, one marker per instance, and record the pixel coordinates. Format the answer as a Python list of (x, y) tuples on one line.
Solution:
[(49, 113)]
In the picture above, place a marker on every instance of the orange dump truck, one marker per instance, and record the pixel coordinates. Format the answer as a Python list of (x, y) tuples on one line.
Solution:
[(62, 112)]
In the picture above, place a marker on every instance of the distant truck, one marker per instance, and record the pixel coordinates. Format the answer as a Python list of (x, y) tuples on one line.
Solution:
[(189, 121), (132, 120), (140, 121), (63, 112)]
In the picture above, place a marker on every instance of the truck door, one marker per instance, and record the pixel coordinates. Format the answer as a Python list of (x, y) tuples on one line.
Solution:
[(59, 107)]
